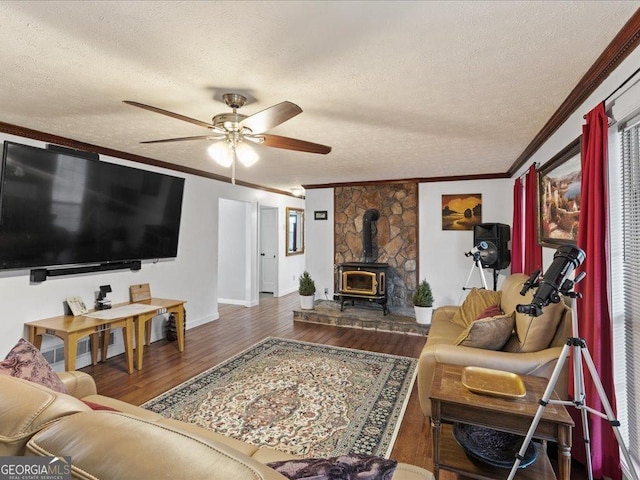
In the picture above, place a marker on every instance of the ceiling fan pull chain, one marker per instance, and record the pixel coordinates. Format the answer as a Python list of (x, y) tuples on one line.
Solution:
[(233, 163)]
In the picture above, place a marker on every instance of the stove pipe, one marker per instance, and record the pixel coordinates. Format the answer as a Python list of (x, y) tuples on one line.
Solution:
[(369, 243)]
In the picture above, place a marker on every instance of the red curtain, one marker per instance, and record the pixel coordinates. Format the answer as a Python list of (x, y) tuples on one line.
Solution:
[(516, 240), (594, 322), (532, 249)]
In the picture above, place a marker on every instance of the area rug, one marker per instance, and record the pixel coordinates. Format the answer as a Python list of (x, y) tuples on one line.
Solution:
[(301, 398)]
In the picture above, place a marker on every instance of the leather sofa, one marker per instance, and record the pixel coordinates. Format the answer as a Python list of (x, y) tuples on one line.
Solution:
[(130, 443), (444, 332)]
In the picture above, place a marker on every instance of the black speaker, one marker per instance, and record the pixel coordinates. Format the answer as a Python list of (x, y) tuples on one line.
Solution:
[(499, 235), (38, 275)]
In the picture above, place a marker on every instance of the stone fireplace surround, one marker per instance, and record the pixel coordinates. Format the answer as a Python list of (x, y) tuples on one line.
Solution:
[(396, 232)]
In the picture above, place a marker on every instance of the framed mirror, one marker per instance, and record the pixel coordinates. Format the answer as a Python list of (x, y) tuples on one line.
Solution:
[(295, 231)]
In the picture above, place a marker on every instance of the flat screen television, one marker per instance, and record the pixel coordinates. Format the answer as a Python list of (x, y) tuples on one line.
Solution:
[(62, 208)]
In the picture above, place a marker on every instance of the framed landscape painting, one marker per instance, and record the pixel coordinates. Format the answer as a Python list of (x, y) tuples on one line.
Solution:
[(461, 212), (559, 182)]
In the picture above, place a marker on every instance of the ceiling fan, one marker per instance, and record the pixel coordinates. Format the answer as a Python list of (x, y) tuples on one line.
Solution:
[(231, 130)]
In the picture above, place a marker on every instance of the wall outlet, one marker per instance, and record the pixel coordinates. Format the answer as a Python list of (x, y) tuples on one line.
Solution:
[(326, 291)]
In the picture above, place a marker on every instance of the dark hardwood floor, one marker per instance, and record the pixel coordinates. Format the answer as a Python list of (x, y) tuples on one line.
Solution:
[(237, 329)]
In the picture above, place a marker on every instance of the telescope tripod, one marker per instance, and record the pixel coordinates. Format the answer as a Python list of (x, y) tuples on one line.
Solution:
[(580, 352), (478, 265)]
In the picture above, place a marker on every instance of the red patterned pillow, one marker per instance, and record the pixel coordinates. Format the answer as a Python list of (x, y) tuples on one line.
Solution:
[(98, 406), (476, 302), (492, 311), (25, 361)]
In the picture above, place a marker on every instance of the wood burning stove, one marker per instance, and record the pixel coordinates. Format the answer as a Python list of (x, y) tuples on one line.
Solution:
[(361, 281)]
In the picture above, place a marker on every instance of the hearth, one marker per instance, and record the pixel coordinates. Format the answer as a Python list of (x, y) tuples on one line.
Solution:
[(362, 282)]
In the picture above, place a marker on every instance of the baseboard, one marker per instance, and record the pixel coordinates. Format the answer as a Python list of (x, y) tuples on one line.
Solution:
[(201, 321), (232, 301), (286, 292)]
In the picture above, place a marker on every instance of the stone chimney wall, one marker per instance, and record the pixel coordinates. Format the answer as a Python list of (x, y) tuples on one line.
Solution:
[(397, 232)]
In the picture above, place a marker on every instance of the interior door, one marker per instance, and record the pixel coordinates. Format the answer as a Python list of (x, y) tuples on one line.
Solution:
[(268, 249)]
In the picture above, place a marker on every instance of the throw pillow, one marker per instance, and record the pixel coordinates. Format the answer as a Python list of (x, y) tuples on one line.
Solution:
[(476, 302), (97, 406), (25, 361), (532, 333), (491, 311), (488, 333), (344, 467), (535, 333)]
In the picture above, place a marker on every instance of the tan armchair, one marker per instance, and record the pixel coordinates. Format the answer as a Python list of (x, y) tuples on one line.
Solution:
[(516, 356)]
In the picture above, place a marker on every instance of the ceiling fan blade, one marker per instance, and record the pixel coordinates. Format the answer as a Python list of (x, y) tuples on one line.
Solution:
[(271, 117), (294, 144), (182, 139), (169, 114)]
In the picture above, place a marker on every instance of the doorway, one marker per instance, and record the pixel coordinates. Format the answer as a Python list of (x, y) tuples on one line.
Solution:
[(268, 251), (234, 252)]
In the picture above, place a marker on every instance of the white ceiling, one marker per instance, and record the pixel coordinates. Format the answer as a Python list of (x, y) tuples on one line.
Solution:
[(398, 89)]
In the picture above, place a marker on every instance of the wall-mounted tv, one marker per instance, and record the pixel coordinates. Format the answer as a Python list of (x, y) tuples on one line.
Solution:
[(63, 208)]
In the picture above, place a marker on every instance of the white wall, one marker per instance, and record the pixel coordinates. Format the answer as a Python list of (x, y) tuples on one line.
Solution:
[(192, 276), (441, 253), (235, 252), (289, 267), (320, 240)]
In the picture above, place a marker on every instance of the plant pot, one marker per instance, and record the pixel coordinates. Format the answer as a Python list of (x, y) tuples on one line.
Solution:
[(306, 302), (423, 314)]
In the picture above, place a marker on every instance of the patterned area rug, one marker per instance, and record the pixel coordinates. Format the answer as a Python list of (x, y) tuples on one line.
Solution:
[(301, 398)]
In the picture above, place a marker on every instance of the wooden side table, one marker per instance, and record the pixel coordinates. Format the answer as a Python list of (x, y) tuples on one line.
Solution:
[(71, 329), (143, 334), (452, 402)]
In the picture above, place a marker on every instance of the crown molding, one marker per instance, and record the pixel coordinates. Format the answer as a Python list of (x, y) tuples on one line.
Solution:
[(620, 47), (453, 178), (87, 147)]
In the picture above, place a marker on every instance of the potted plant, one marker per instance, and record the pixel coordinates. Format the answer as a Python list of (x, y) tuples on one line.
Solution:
[(307, 289), (423, 302)]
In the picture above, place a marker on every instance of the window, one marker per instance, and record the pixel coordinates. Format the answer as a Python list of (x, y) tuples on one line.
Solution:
[(625, 254)]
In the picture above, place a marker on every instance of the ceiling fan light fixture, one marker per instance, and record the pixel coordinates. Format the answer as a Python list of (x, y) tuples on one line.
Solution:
[(232, 128), (254, 139), (246, 154), (221, 153)]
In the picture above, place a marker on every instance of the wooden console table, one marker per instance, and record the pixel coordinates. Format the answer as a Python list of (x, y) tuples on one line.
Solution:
[(71, 329), (452, 402)]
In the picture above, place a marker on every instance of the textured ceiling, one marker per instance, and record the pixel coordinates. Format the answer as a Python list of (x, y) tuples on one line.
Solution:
[(398, 89)]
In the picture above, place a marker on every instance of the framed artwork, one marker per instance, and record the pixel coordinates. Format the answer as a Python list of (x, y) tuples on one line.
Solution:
[(461, 212), (320, 215), (559, 182), (77, 306)]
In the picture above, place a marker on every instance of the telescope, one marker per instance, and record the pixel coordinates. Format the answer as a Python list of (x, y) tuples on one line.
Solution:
[(477, 249), (554, 281)]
